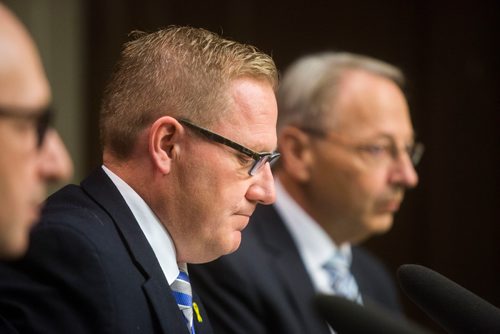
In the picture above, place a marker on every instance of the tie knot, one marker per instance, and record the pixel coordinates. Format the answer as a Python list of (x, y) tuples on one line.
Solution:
[(338, 262), (183, 276), (342, 281)]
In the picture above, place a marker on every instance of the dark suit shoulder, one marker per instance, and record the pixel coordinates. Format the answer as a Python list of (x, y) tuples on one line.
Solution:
[(375, 282), (70, 204), (59, 276), (69, 279), (72, 209)]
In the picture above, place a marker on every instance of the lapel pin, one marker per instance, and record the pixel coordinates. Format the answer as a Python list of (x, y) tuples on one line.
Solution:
[(197, 311)]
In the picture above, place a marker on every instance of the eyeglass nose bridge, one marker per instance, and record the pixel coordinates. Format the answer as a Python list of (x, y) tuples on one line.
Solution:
[(42, 126), (414, 153), (261, 161)]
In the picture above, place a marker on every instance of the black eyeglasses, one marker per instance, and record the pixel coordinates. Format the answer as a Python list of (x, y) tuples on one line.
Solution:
[(260, 159), (40, 119)]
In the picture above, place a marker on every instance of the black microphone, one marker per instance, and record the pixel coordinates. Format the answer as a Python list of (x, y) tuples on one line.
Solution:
[(346, 316), (453, 307)]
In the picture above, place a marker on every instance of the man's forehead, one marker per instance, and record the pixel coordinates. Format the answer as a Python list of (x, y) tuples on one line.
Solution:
[(251, 120), (252, 100), (378, 102), (25, 88), (22, 78)]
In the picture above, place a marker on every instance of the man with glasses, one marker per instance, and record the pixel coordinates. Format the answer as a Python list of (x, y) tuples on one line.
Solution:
[(31, 153), (348, 155), (188, 128)]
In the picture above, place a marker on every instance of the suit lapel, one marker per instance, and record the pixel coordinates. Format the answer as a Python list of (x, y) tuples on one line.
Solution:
[(201, 322), (289, 266), (156, 288)]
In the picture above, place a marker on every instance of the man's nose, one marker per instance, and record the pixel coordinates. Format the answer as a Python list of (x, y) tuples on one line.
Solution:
[(403, 172), (55, 164), (262, 189)]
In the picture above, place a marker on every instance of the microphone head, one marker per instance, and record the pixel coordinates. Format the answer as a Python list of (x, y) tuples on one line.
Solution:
[(453, 307), (346, 316)]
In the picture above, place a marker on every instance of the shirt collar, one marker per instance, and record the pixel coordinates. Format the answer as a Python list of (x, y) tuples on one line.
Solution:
[(314, 244), (157, 235)]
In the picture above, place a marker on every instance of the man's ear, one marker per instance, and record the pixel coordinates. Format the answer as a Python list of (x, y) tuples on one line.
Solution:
[(296, 154), (163, 138)]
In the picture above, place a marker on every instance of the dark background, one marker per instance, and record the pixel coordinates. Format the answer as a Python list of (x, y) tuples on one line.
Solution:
[(449, 52)]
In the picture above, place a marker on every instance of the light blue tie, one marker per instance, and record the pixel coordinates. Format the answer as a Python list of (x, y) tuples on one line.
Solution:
[(181, 289), (341, 279)]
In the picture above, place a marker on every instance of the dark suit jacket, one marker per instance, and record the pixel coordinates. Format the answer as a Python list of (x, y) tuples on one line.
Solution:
[(90, 269), (264, 287)]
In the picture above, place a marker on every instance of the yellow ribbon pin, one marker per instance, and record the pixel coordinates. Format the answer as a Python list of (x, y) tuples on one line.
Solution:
[(197, 311)]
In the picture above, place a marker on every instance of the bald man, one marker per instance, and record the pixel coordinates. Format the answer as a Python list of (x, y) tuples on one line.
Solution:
[(32, 154)]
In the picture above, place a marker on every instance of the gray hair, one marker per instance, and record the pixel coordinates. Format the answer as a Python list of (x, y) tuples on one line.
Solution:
[(312, 82)]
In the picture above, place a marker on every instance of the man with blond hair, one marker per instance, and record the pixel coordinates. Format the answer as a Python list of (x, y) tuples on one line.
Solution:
[(188, 128)]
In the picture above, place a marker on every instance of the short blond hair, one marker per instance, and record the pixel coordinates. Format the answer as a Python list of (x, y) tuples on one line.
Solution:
[(182, 72)]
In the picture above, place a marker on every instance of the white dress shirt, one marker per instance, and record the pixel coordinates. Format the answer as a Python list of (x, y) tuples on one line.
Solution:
[(156, 234), (314, 245)]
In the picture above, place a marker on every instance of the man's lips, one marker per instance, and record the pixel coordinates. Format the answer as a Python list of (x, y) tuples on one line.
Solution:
[(246, 217), (390, 205), (247, 212)]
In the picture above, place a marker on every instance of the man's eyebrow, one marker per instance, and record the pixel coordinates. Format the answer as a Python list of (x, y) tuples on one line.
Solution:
[(390, 137)]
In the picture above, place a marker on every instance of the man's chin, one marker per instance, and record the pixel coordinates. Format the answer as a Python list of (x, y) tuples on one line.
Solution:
[(382, 224), (228, 247), (15, 247), (236, 242)]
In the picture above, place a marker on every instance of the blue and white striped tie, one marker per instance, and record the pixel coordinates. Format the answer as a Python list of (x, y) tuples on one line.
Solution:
[(181, 289), (342, 281)]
